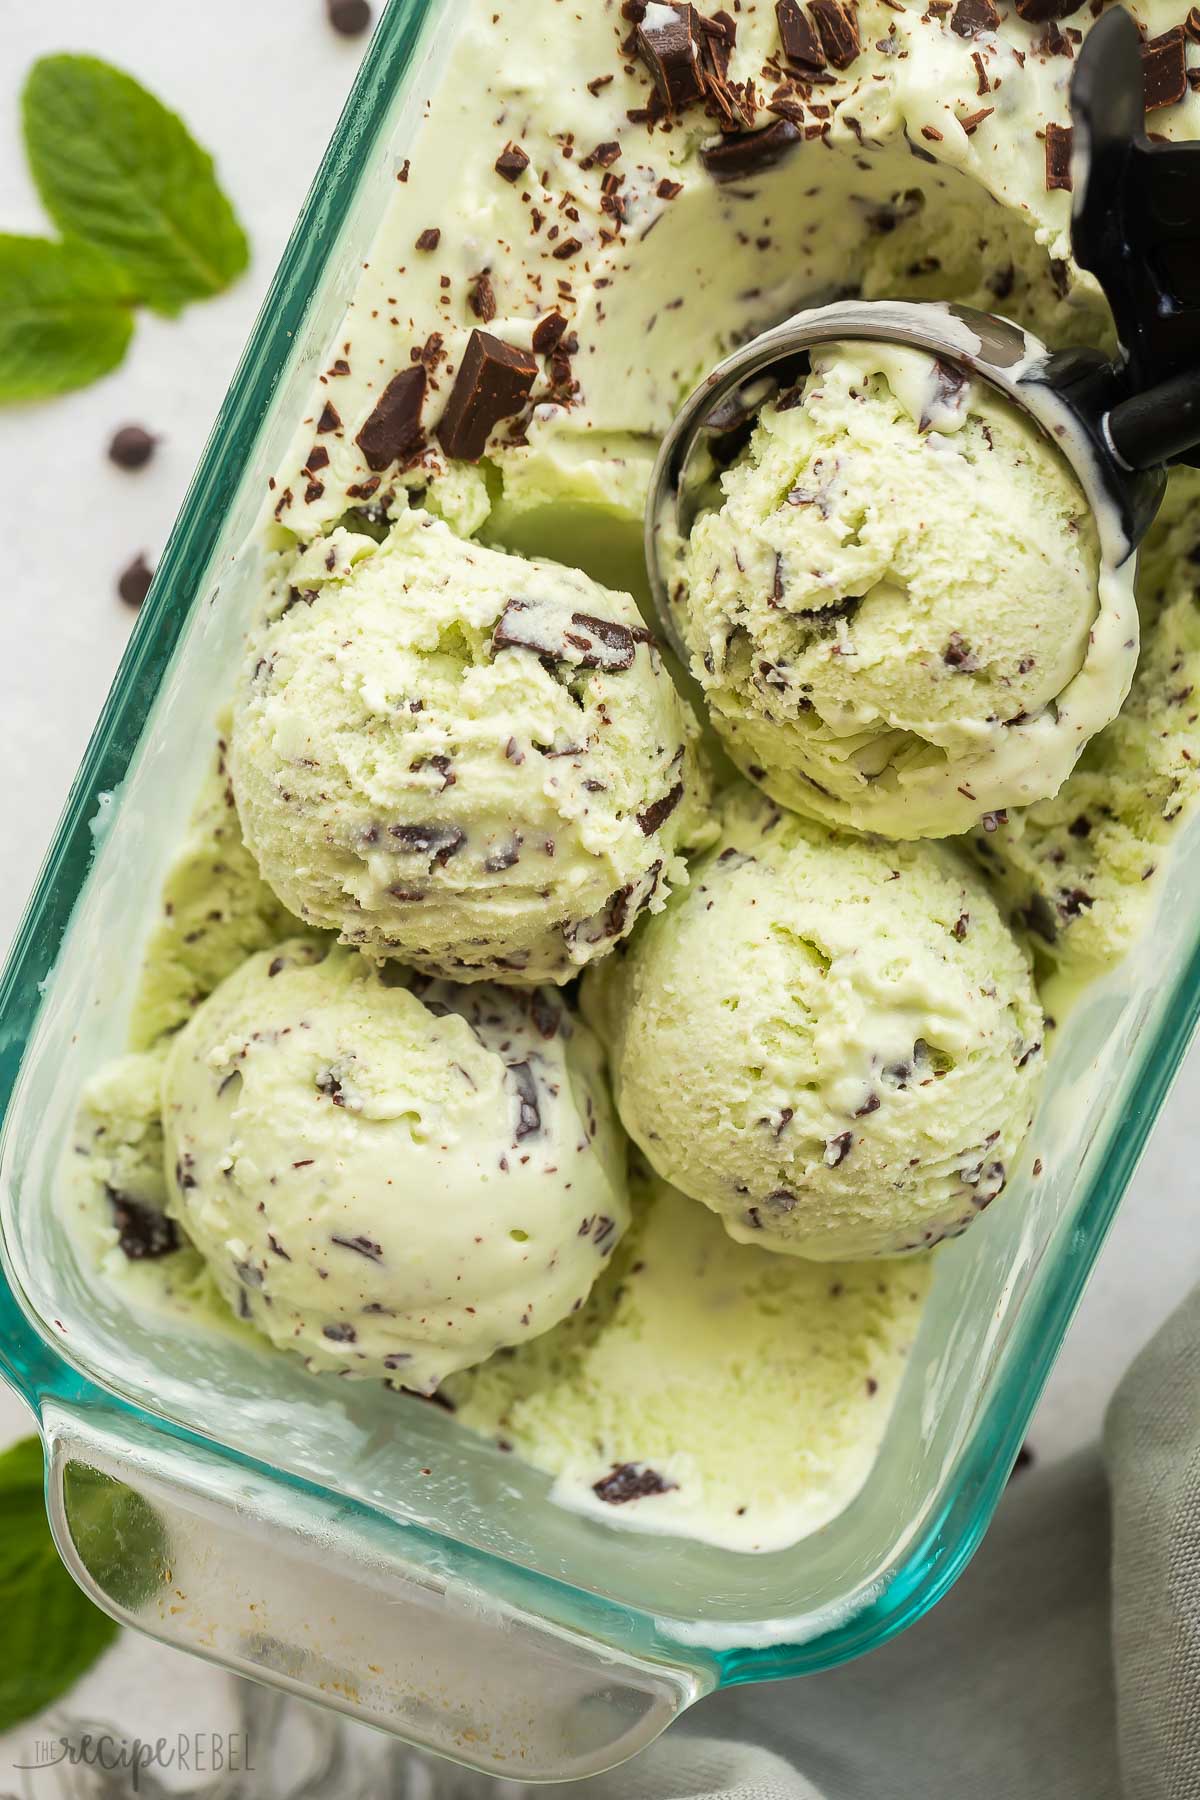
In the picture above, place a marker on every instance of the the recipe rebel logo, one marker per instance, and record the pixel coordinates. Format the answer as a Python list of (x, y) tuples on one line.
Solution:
[(126, 1758)]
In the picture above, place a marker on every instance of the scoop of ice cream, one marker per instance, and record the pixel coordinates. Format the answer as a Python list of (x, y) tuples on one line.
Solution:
[(708, 1388), (831, 1041), (392, 1176), (898, 610), (1077, 872), (461, 758)]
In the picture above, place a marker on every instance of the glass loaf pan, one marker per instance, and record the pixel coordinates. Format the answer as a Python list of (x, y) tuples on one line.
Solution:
[(462, 1610)]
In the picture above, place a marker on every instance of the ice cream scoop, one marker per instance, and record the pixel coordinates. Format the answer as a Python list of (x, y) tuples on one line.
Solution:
[(1115, 423), (832, 1041), (393, 1177), (472, 762)]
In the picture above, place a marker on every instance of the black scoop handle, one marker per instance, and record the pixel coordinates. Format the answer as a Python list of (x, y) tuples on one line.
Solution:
[(1136, 228)]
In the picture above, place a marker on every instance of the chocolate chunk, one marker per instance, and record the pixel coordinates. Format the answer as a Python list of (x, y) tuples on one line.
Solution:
[(798, 35), (1059, 139), (143, 1233), (670, 49), (131, 447), (630, 1481), (837, 23), (482, 299), (1074, 901), (1164, 68), (493, 382), (506, 856), (529, 1118), (512, 162), (961, 926), (394, 428), (606, 644), (318, 458), (365, 1246), (547, 332), (958, 654), (838, 1149), (740, 156), (440, 842), (340, 1333), (970, 17), (133, 583), (330, 419), (1037, 12), (328, 1084), (661, 810), (349, 17), (430, 238)]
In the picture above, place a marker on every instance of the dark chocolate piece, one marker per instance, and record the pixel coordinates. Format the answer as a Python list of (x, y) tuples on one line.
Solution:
[(529, 1118), (439, 842), (630, 1481), (330, 419), (740, 156), (430, 238), (837, 23), (671, 53), (970, 17), (607, 643), (143, 1233), (1058, 156), (493, 383), (661, 810), (512, 162), (133, 584), (547, 332), (1164, 68), (482, 299), (394, 428), (131, 447), (798, 35), (340, 1334)]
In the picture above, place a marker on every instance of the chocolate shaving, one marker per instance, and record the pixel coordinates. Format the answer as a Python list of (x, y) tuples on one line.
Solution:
[(1058, 156), (394, 429), (365, 1246), (661, 810), (493, 383), (742, 155)]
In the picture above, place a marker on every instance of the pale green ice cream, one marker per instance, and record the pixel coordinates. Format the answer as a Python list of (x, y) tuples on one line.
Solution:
[(896, 609), (708, 1388), (1078, 872), (453, 756), (832, 1041), (391, 1176)]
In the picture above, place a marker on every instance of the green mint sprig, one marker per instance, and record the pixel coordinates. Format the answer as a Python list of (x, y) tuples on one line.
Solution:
[(143, 218)]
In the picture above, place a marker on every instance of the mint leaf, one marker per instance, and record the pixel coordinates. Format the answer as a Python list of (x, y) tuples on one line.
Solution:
[(65, 316), (114, 166), (52, 1632)]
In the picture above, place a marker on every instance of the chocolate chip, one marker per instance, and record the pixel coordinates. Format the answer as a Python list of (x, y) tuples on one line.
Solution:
[(661, 810), (630, 1481), (507, 856), (740, 156), (327, 1083), (349, 17), (494, 381), (1037, 12), (482, 298), (970, 17), (547, 332), (512, 162), (340, 1334), (394, 428), (837, 23), (798, 35), (529, 1118), (960, 927), (958, 654), (1059, 139), (1164, 68), (330, 419), (439, 842), (133, 584), (143, 1233), (670, 50), (1080, 827), (838, 1149), (364, 1246), (131, 447), (430, 238)]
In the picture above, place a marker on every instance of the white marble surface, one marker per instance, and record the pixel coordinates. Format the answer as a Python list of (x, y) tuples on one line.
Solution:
[(261, 82)]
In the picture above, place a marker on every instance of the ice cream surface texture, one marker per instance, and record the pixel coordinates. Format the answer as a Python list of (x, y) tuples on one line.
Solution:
[(896, 609), (708, 1388), (392, 1176), (454, 756), (832, 1041)]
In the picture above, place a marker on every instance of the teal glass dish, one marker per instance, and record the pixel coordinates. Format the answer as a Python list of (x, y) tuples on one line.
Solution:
[(366, 1551)]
